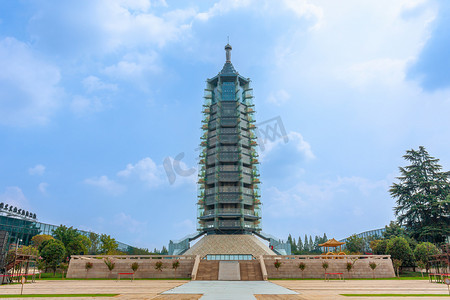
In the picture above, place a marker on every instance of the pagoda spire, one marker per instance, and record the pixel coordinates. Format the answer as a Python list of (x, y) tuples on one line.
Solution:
[(228, 53)]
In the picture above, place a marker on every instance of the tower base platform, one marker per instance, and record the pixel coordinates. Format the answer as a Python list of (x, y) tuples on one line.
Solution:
[(229, 244)]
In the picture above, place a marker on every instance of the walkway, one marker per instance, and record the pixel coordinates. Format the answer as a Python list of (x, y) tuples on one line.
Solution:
[(307, 289), (226, 290)]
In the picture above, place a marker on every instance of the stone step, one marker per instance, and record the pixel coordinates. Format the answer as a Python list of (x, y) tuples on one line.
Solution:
[(229, 270)]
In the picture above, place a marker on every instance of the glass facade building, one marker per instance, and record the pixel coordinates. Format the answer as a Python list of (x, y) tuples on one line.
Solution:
[(21, 231), (229, 196)]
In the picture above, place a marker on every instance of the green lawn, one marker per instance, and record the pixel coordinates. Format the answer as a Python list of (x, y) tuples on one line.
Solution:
[(56, 295), (395, 295)]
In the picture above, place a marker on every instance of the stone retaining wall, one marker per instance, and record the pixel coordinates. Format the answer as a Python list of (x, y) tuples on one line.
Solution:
[(288, 269), (123, 263), (336, 264)]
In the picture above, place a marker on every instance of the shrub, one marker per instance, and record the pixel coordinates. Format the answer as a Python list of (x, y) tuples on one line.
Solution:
[(373, 266), (110, 263), (423, 253), (134, 266), (325, 265), (88, 266), (277, 264), (398, 248), (302, 266), (159, 266)]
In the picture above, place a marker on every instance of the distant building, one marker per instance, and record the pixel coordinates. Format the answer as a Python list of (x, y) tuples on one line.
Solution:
[(19, 227)]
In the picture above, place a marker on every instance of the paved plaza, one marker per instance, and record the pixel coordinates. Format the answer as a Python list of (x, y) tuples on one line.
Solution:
[(233, 290)]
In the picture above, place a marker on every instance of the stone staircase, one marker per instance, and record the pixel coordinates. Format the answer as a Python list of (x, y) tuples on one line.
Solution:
[(250, 270), (208, 270), (229, 270), (245, 270)]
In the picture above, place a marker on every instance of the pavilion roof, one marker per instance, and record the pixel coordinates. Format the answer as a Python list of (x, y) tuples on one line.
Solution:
[(331, 243)]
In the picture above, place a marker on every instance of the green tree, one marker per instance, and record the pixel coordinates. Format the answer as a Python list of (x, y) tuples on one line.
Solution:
[(299, 245), (94, 238), (78, 245), (65, 234), (53, 253), (393, 229), (355, 244), (398, 248), (423, 253), (37, 240), (108, 244), (379, 246), (423, 205)]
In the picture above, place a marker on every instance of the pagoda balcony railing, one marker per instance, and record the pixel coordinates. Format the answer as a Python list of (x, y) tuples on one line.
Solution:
[(210, 191), (245, 151), (224, 148), (229, 168), (212, 141), (246, 159), (212, 125), (228, 122), (207, 94), (208, 225), (245, 134), (228, 157), (229, 176), (209, 212), (250, 225), (211, 151), (243, 125), (229, 130), (248, 94), (229, 189), (229, 224), (228, 139), (210, 170), (247, 191)]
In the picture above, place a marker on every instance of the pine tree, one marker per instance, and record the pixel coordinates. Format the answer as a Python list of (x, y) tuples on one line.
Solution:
[(316, 242), (306, 245), (422, 197), (325, 238), (311, 244), (299, 244)]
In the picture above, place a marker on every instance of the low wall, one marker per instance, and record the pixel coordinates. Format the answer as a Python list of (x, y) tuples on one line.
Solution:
[(336, 264), (288, 269), (77, 266)]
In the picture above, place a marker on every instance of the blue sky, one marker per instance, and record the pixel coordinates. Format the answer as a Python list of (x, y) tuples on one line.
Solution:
[(96, 95)]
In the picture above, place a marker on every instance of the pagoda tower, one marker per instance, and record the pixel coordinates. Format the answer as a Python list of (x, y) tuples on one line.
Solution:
[(228, 186), (229, 212)]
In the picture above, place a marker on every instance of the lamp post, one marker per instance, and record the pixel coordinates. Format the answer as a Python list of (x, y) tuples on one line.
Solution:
[(15, 255)]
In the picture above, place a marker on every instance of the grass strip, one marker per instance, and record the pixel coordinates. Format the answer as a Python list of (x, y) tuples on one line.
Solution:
[(56, 295), (395, 295), (387, 278)]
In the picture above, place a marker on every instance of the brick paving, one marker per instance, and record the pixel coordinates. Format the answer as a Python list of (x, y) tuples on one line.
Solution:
[(307, 289)]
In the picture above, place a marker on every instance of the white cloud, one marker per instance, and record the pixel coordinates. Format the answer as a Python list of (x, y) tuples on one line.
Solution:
[(29, 91), (43, 187), (386, 72), (133, 65), (93, 83), (268, 146), (222, 7), (81, 105), (14, 197), (106, 184), (303, 8), (279, 97), (132, 225), (145, 170), (325, 198), (37, 170)]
